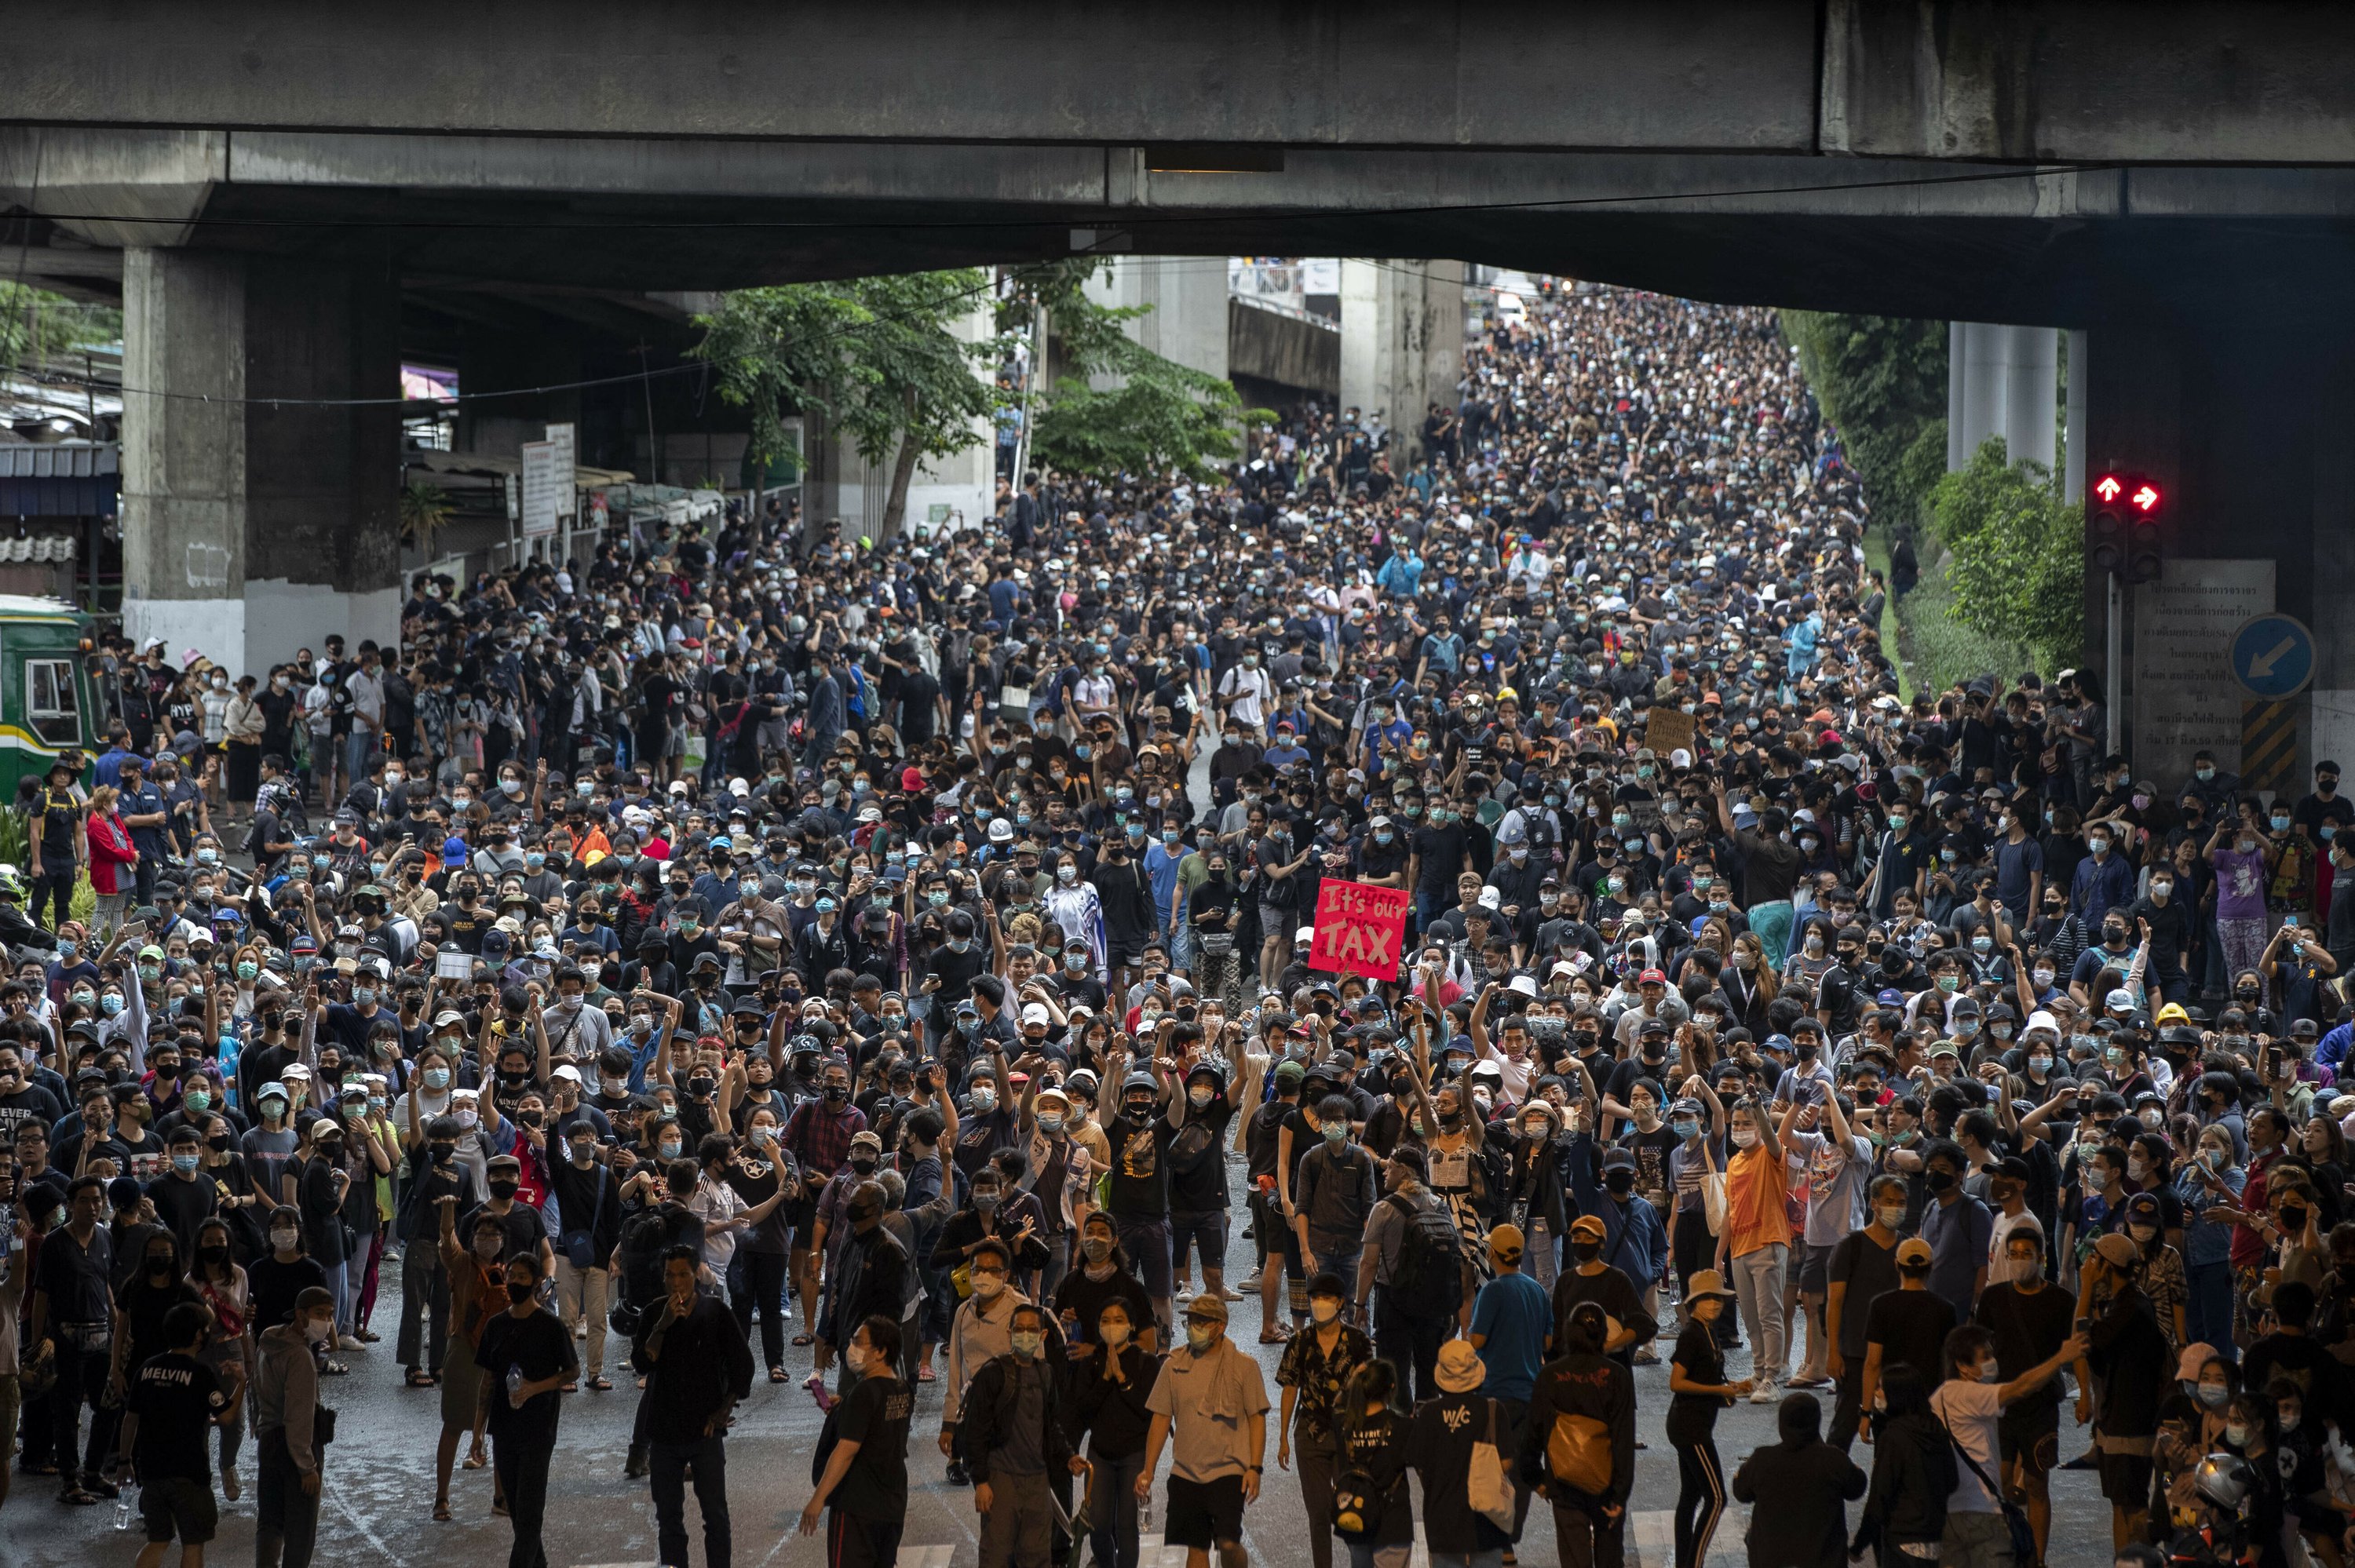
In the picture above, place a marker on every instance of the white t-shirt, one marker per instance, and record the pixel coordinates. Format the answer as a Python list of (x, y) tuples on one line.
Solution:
[(1999, 1268), (1970, 1411)]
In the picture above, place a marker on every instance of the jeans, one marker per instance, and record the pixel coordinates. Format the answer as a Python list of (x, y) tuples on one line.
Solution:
[(357, 748), (581, 1293), (1058, 1264), (1544, 1254), (1758, 1279), (1409, 1345), (668, 1463), (424, 1306), (58, 885), (1975, 1541), (2208, 1306), (1112, 1543), (286, 1522), (520, 1463)]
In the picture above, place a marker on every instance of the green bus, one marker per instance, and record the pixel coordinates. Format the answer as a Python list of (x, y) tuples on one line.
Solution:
[(46, 701)]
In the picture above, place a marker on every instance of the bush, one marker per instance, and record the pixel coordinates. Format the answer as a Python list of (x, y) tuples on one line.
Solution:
[(1882, 382), (2017, 568)]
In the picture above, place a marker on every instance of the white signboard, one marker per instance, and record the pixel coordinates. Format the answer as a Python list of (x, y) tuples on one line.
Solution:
[(567, 460), (542, 489), (2185, 698)]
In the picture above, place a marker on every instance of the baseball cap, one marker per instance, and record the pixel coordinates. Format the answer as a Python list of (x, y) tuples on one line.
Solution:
[(1913, 1252), (1207, 1307), (1586, 1227), (1506, 1242)]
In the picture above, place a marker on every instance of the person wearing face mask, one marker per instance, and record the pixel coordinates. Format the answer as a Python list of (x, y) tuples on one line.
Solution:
[(1061, 1171), (871, 1275), (1863, 1268), (1210, 1398), (470, 1265), (588, 1202), (2030, 1319), (290, 1441), (1109, 1383), (525, 1357), (1013, 1430), (2105, 879), (1334, 1194), (698, 1366), (981, 1331), (2124, 1378)]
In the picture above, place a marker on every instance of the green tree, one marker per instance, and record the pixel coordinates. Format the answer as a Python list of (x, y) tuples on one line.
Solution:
[(37, 326), (1881, 381), (1154, 417), (877, 355), (2019, 567)]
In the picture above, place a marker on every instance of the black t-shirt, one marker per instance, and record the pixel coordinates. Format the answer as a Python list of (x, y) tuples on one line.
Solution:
[(1140, 1168), (1441, 860), (1869, 1270), (981, 1135), (1201, 1188), (1912, 1326), (2029, 1328), (874, 1415), (755, 1181), (541, 1347), (1083, 1300), (175, 1398), (523, 1224)]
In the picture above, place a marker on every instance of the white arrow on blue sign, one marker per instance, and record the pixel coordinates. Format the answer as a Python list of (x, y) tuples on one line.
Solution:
[(2272, 655)]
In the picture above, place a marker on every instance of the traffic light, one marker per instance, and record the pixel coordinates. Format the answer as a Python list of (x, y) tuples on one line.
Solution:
[(2122, 526)]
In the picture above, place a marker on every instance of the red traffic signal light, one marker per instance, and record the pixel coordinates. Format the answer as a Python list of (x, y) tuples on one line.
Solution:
[(2144, 498), (2122, 525)]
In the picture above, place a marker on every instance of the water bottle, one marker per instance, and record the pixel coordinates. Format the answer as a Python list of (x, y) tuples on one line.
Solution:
[(514, 1387), (1145, 1512), (122, 1510)]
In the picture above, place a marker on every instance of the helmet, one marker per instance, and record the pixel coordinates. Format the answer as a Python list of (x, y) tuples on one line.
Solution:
[(1139, 1083), (2224, 1479), (11, 884)]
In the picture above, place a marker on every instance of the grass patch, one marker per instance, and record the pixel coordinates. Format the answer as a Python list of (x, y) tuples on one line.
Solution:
[(1938, 651), (1892, 630)]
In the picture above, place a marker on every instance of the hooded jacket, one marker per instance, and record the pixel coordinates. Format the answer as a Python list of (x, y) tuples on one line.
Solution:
[(1914, 1474), (1810, 1484)]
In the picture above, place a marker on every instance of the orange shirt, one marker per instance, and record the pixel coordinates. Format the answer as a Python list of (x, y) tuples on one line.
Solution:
[(1757, 1210)]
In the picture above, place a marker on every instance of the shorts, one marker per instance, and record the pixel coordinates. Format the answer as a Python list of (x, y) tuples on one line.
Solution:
[(1203, 1233), (175, 1505), (1145, 1239), (1203, 1513), (1815, 1269), (801, 1218), (461, 1385), (854, 1541), (1275, 922), (2125, 1478), (2029, 1436), (1124, 954)]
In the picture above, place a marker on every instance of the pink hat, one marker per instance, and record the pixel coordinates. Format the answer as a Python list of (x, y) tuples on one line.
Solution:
[(2195, 1356)]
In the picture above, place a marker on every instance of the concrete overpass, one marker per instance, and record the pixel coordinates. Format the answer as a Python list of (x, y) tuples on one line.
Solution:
[(2177, 180)]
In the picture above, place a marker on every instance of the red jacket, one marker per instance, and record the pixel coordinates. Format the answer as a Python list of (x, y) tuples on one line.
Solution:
[(111, 853)]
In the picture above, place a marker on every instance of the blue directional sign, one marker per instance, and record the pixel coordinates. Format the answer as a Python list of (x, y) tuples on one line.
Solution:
[(2273, 656)]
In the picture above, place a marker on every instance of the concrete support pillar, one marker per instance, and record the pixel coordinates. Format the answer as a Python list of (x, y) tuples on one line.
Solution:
[(1957, 378), (2030, 393), (1987, 375), (2072, 480), (253, 528), (1402, 339), (1185, 301)]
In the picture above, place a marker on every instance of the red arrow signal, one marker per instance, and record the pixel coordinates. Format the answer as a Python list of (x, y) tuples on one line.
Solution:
[(2108, 486), (2143, 499)]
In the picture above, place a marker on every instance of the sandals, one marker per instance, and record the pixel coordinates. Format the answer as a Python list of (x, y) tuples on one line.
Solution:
[(776, 1374), (570, 1388), (336, 1369), (441, 1510), (804, 1338), (419, 1378), (925, 1374), (601, 1384), (477, 1459)]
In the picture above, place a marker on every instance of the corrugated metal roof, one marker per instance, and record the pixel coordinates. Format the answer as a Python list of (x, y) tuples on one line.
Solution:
[(57, 459)]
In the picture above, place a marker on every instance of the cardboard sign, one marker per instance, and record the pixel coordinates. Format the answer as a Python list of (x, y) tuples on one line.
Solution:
[(1359, 929), (1671, 729)]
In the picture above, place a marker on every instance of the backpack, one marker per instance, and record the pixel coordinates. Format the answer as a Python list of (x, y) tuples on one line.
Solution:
[(1427, 1281), (643, 1235), (1578, 1454)]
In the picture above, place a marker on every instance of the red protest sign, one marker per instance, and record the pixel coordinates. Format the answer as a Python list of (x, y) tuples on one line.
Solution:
[(1359, 929)]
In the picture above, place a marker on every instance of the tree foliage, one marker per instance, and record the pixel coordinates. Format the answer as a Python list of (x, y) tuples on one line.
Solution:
[(2018, 566), (1881, 381), (37, 326), (1153, 415), (876, 355)]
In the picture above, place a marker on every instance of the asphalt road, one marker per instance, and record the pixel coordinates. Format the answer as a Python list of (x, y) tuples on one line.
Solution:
[(379, 1486)]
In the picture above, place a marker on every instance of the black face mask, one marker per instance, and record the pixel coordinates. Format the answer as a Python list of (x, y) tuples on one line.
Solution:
[(442, 1153), (518, 1294), (1939, 1181), (1585, 1251), (837, 1093), (2293, 1217), (503, 1188), (1621, 1181), (161, 1267), (862, 1166)]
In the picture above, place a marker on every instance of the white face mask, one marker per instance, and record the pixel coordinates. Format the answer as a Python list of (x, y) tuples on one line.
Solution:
[(1744, 1137)]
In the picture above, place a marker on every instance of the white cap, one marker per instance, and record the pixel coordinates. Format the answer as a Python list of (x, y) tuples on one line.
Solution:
[(568, 1072), (1036, 1013), (1305, 933), (1525, 985), (2043, 1019)]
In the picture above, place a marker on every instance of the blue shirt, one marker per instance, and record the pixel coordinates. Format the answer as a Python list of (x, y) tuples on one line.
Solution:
[(1514, 1316), (144, 801), (1959, 1236), (2100, 884)]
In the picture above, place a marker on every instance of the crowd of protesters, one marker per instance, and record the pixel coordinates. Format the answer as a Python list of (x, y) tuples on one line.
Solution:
[(906, 947)]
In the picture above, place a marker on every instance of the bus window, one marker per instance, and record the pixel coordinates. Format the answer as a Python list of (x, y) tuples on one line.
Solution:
[(50, 708)]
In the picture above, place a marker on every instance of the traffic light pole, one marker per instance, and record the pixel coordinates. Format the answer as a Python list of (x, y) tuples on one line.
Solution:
[(2114, 666)]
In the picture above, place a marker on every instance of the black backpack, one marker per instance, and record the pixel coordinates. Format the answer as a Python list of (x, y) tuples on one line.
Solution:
[(1195, 1143), (1427, 1280), (642, 1236)]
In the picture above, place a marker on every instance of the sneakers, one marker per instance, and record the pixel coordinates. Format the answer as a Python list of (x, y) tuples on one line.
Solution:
[(1764, 1393), (348, 1342)]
